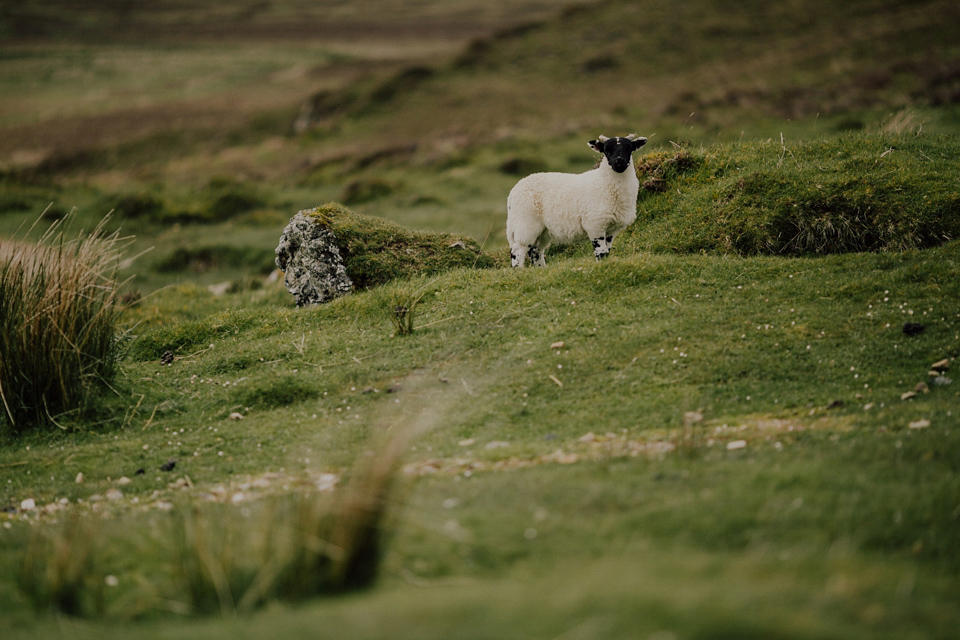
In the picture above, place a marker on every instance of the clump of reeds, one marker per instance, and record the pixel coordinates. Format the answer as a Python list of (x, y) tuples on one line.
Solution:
[(287, 548), (217, 558), (61, 571), (58, 324), (401, 309)]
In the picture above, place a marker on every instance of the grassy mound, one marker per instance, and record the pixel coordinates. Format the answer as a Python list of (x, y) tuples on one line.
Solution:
[(855, 192), (376, 251)]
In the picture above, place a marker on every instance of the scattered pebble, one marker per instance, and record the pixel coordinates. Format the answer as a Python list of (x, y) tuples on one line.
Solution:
[(28, 505), (558, 345), (79, 478), (907, 395), (236, 416), (496, 444), (327, 482), (941, 365), (124, 480), (736, 444), (114, 494), (920, 424)]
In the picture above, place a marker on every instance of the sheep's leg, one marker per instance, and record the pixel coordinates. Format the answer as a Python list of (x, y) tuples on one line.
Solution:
[(610, 236), (516, 257), (536, 256), (601, 246)]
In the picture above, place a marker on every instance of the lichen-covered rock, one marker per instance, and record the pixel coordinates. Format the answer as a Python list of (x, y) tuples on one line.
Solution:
[(330, 250), (310, 259)]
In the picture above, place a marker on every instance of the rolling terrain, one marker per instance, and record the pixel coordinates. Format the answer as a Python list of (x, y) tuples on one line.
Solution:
[(743, 424)]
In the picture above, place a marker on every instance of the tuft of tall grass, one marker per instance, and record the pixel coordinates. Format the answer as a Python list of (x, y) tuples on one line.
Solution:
[(61, 571), (401, 309), (222, 559), (58, 324), (291, 548)]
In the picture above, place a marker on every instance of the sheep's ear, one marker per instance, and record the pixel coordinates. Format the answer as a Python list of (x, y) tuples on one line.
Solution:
[(596, 145), (639, 142)]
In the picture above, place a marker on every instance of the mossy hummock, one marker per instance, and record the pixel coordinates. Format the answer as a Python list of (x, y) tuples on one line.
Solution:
[(328, 251)]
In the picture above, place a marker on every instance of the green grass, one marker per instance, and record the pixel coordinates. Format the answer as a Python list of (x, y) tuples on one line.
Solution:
[(834, 195), (717, 432), (842, 496)]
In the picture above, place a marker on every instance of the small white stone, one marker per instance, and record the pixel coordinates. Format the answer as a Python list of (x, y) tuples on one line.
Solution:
[(920, 424), (736, 444), (327, 482), (28, 505)]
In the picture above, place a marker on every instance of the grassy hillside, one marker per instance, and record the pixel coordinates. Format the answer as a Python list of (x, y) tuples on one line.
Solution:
[(697, 425), (742, 424), (196, 134)]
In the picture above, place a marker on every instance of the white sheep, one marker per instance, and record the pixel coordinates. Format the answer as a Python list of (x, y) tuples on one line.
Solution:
[(544, 208)]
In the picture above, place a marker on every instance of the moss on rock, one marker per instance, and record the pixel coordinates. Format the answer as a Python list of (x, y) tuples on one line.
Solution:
[(376, 251)]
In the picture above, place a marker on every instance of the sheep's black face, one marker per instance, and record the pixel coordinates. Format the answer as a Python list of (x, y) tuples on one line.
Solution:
[(617, 150)]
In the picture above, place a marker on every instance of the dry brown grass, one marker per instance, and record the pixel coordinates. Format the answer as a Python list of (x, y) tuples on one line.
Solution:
[(58, 324)]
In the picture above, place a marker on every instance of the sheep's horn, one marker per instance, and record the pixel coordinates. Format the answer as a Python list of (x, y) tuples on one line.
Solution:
[(602, 138), (632, 137)]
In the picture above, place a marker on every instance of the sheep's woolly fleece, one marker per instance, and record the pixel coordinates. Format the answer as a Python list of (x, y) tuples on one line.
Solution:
[(544, 208)]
